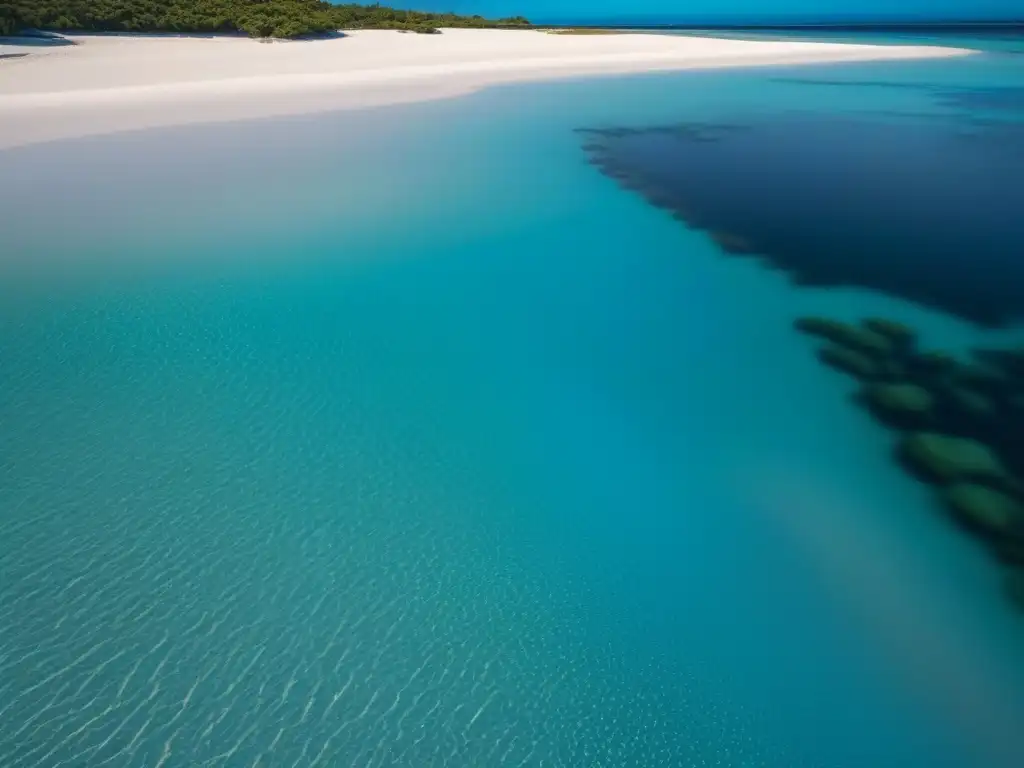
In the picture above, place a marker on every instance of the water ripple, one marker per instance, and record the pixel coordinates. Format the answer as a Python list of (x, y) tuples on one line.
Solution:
[(224, 546)]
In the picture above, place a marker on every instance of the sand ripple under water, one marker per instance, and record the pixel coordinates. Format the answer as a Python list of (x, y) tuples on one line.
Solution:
[(218, 550)]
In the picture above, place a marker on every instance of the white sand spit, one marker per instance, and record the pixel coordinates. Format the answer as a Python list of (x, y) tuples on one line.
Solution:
[(113, 83)]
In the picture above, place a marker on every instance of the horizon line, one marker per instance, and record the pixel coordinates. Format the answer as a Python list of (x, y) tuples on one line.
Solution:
[(737, 19), (640, 22)]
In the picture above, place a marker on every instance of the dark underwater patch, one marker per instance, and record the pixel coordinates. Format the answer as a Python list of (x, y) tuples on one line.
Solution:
[(928, 211), (960, 423)]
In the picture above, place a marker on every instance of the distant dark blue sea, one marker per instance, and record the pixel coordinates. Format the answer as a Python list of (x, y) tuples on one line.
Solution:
[(463, 433)]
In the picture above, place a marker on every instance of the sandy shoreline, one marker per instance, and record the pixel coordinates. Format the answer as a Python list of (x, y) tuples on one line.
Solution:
[(113, 83)]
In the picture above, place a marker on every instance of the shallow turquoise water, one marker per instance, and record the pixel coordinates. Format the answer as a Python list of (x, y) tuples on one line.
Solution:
[(405, 438)]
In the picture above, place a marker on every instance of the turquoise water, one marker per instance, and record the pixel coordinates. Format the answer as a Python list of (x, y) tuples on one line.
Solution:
[(1007, 41), (732, 11), (404, 437)]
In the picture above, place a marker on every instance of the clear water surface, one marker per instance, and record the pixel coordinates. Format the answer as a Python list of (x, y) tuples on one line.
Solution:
[(406, 438)]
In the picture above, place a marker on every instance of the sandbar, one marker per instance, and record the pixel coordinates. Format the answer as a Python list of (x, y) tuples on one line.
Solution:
[(109, 83)]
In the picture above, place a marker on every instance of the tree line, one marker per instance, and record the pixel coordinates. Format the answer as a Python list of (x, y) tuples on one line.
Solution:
[(257, 18)]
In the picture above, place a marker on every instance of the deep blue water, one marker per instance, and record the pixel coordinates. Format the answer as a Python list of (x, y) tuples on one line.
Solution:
[(797, 187), (1006, 39), (406, 437), (732, 11), (894, 198)]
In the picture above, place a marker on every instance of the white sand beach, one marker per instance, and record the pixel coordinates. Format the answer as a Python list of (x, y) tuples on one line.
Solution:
[(112, 83)]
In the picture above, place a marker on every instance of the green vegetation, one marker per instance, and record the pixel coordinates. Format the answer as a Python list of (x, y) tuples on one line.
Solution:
[(258, 18)]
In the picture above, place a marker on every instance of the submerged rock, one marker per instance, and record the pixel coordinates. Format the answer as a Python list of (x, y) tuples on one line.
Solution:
[(900, 404), (848, 361), (934, 362), (893, 371), (971, 404), (947, 459), (968, 420), (900, 335), (986, 510), (982, 378), (850, 336)]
